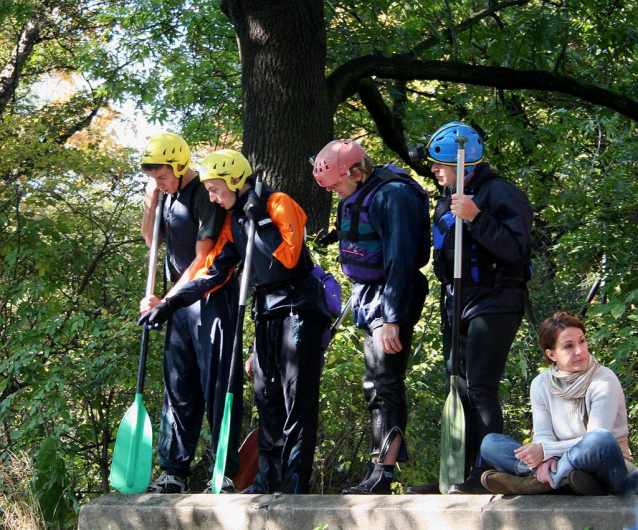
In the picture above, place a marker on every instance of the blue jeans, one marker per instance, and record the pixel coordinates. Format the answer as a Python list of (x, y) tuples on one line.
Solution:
[(597, 453)]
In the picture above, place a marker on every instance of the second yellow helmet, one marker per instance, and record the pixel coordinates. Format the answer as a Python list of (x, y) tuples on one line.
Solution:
[(229, 165)]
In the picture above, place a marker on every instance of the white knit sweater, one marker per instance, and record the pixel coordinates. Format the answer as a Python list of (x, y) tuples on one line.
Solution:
[(557, 422)]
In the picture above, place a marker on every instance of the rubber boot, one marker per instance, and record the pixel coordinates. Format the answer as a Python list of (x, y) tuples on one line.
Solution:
[(379, 482)]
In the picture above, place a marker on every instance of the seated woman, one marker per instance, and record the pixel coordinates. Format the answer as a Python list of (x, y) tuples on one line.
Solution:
[(580, 425)]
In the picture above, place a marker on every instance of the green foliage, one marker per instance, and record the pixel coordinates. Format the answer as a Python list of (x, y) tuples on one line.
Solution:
[(51, 482), (163, 48), (73, 264), (72, 273)]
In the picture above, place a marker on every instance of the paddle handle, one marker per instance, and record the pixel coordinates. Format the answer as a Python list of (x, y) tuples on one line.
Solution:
[(150, 288), (342, 317), (458, 261), (152, 255), (250, 245), (243, 290), (238, 346)]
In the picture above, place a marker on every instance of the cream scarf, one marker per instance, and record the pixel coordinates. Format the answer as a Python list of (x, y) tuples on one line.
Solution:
[(572, 385)]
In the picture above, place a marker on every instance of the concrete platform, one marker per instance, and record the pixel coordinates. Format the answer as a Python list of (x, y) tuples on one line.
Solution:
[(335, 512)]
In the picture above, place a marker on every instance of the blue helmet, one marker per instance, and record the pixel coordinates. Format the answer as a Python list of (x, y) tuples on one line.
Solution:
[(443, 149)]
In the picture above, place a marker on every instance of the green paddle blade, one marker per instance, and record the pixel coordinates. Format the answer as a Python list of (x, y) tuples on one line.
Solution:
[(452, 439), (222, 446), (133, 451)]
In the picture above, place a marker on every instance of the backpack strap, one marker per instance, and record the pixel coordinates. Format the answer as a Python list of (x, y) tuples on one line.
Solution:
[(384, 175)]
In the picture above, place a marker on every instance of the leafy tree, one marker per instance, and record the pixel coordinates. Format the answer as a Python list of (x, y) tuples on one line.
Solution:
[(551, 86), (389, 66), (72, 261)]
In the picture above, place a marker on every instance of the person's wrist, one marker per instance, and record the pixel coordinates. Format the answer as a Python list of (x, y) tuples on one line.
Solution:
[(476, 215), (150, 201)]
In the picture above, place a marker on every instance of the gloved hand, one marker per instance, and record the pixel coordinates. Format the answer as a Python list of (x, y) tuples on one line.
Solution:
[(328, 239), (143, 321), (161, 312), (255, 209)]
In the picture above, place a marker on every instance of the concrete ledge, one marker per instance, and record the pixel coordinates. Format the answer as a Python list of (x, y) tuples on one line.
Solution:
[(404, 512)]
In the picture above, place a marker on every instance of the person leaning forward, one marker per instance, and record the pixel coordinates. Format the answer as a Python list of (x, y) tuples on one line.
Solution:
[(198, 343), (384, 239), (289, 310)]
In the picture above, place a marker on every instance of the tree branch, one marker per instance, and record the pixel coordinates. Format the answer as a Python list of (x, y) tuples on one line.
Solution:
[(82, 123), (389, 127), (10, 75), (391, 134), (344, 81), (463, 26)]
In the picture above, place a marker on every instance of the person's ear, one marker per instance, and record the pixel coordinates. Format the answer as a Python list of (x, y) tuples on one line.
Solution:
[(356, 174)]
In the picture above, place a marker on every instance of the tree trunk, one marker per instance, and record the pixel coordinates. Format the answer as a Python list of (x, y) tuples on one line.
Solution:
[(10, 74), (283, 54)]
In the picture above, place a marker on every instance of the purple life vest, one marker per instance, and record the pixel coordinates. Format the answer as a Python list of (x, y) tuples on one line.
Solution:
[(360, 247)]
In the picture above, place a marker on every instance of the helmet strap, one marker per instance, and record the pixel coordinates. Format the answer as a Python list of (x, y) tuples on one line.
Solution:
[(469, 170), (181, 178)]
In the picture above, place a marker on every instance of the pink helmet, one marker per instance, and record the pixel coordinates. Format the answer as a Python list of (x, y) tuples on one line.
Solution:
[(335, 160)]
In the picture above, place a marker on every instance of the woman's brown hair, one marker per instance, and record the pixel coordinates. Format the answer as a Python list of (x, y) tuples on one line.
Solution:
[(552, 327)]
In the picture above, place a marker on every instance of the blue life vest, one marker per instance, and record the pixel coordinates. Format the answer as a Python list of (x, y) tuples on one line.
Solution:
[(361, 248), (478, 266)]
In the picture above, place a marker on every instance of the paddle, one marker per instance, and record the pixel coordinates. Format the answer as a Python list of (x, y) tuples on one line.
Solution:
[(249, 458), (452, 469), (238, 346), (342, 317), (133, 451)]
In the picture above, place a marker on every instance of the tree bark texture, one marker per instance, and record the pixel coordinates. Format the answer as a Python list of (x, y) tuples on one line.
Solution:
[(10, 74), (286, 113)]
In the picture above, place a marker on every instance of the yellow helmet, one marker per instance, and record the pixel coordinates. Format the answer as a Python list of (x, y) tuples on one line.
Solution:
[(169, 149), (226, 164)]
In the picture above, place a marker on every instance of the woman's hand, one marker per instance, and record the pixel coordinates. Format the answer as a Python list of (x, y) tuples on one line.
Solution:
[(543, 470), (531, 454)]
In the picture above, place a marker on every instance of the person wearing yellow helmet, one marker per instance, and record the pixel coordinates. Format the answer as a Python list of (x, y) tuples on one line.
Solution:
[(197, 353), (290, 316)]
